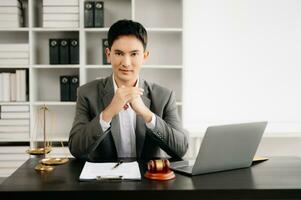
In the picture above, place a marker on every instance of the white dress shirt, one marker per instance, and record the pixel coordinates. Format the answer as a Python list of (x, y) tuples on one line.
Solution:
[(127, 121)]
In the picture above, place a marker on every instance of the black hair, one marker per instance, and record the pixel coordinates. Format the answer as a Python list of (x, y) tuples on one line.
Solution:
[(126, 27)]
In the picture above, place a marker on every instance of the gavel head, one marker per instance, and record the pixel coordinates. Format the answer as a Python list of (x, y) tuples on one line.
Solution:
[(158, 166)]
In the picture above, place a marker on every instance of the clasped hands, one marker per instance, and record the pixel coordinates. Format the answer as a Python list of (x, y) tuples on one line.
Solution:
[(125, 95)]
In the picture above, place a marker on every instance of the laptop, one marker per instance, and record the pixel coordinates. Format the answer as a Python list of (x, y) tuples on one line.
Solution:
[(223, 148)]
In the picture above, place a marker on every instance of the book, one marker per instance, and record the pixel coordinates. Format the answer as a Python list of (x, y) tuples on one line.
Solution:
[(1, 87), (21, 85), (61, 24), (64, 51), (15, 122), (61, 17), (15, 54), (14, 129), (10, 24), (89, 13), (14, 156), (6, 87), (14, 115), (107, 171), (13, 87), (105, 44), (54, 51), (10, 10), (60, 3), (14, 47), (99, 14), (14, 61), (13, 149), (22, 18), (8, 137), (61, 9), (74, 83), (14, 3), (14, 108), (10, 17), (65, 88), (74, 51)]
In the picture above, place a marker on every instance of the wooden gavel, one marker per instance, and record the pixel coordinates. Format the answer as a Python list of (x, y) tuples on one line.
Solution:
[(158, 166)]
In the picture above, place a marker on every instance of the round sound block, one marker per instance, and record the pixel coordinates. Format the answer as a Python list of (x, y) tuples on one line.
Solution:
[(160, 176)]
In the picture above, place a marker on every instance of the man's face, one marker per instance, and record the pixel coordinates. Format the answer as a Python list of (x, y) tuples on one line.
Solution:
[(126, 57)]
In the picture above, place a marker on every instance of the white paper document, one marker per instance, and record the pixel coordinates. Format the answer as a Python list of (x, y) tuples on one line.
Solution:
[(106, 171)]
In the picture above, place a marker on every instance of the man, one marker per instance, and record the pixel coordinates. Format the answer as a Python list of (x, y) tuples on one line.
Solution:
[(124, 115)]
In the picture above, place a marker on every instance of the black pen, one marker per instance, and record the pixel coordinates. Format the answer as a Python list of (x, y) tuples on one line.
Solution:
[(117, 164)]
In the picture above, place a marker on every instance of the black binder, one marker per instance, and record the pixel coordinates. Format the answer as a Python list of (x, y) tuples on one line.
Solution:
[(65, 88), (54, 51), (64, 51), (74, 83), (89, 13), (105, 44), (74, 51), (99, 14)]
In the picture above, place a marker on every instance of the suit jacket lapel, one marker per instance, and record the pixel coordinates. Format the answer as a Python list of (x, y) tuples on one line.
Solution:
[(140, 124), (108, 95)]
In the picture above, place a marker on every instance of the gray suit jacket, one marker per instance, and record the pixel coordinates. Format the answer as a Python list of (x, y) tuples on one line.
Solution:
[(88, 141)]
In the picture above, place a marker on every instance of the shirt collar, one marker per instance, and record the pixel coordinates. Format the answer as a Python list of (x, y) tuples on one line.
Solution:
[(115, 84)]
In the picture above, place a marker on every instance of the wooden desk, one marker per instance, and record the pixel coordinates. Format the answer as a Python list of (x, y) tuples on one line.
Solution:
[(279, 178)]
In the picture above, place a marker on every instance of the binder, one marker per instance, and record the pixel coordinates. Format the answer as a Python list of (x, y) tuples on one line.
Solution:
[(74, 83), (64, 51), (74, 51), (89, 13), (65, 88), (54, 51), (99, 14), (105, 44)]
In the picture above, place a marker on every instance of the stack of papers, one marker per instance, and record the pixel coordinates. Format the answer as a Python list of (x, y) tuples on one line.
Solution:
[(106, 171)]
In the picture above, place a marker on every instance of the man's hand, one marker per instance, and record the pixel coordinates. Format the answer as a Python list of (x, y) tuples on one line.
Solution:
[(140, 109), (123, 95)]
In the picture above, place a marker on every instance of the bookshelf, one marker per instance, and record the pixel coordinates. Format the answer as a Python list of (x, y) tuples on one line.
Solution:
[(163, 21)]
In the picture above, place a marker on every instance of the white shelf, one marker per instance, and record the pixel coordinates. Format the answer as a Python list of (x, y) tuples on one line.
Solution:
[(96, 30), (14, 103), (15, 140), (55, 66), (21, 29), (14, 66), (54, 29), (144, 67), (54, 103)]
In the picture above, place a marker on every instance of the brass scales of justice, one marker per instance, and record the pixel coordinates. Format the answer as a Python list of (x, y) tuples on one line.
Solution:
[(47, 163)]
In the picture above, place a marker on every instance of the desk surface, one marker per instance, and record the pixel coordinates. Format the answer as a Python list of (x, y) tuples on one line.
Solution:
[(279, 177)]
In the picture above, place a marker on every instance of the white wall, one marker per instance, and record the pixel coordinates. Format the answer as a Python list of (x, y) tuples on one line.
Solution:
[(242, 64)]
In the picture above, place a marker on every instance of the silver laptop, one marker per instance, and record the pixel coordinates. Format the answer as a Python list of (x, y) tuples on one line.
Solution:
[(223, 148)]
